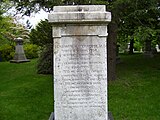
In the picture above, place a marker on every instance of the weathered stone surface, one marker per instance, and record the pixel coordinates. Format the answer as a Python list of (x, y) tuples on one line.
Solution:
[(110, 117), (88, 8), (80, 14), (80, 62), (80, 78)]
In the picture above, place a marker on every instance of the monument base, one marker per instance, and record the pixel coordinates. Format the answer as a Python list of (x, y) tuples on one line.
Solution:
[(19, 61), (110, 117), (148, 54)]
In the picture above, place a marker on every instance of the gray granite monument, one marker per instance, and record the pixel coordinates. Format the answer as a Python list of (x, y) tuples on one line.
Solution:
[(19, 56), (80, 62)]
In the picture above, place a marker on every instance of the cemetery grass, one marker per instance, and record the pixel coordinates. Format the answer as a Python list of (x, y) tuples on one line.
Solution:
[(135, 95), (24, 94)]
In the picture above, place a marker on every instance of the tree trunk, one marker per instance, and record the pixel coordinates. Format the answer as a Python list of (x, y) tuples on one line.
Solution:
[(112, 39)]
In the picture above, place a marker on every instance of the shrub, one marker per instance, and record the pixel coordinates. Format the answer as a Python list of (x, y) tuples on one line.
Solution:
[(7, 52), (42, 36), (31, 51), (45, 62)]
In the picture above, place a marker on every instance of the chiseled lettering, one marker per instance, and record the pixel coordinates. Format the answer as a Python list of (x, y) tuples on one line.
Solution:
[(78, 75)]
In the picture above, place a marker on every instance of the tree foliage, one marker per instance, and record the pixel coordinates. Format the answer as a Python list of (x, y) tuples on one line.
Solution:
[(9, 27), (9, 30), (5, 25), (129, 15), (26, 7), (136, 19), (42, 34), (45, 62), (131, 19)]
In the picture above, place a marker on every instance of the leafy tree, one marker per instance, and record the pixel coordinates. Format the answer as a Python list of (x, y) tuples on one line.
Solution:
[(42, 36), (128, 16), (5, 24), (30, 6), (136, 14), (9, 29)]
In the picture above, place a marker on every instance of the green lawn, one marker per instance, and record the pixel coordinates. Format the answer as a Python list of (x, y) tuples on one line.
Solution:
[(135, 95), (24, 95)]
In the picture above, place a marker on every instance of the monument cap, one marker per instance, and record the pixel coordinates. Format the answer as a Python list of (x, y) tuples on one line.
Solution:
[(80, 14)]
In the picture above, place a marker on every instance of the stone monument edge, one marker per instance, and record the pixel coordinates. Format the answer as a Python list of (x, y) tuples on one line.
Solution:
[(80, 15)]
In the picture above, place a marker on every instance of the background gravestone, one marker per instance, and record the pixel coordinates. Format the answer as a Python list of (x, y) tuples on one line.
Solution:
[(80, 62), (148, 49), (19, 52)]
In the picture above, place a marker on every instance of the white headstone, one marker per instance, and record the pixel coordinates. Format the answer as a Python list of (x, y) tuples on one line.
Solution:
[(80, 62), (157, 48)]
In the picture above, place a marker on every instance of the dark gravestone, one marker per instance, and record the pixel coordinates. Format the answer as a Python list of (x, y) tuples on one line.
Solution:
[(148, 49), (19, 52)]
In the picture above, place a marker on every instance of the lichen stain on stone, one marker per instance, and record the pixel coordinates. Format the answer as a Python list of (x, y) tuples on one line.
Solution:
[(81, 16), (77, 31), (75, 116), (99, 113), (91, 29), (79, 38), (56, 46)]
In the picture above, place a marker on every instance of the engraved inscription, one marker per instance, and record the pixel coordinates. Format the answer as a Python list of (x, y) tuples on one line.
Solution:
[(81, 71)]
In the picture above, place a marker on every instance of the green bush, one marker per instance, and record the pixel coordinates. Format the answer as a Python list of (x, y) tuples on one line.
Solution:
[(7, 52), (45, 62), (42, 36), (31, 51)]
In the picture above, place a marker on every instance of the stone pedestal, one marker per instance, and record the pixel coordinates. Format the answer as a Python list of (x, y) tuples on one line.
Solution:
[(80, 62), (19, 52), (110, 116)]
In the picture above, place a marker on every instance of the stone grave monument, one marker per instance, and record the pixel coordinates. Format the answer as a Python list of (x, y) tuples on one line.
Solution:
[(158, 48), (19, 56), (148, 49), (80, 62)]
